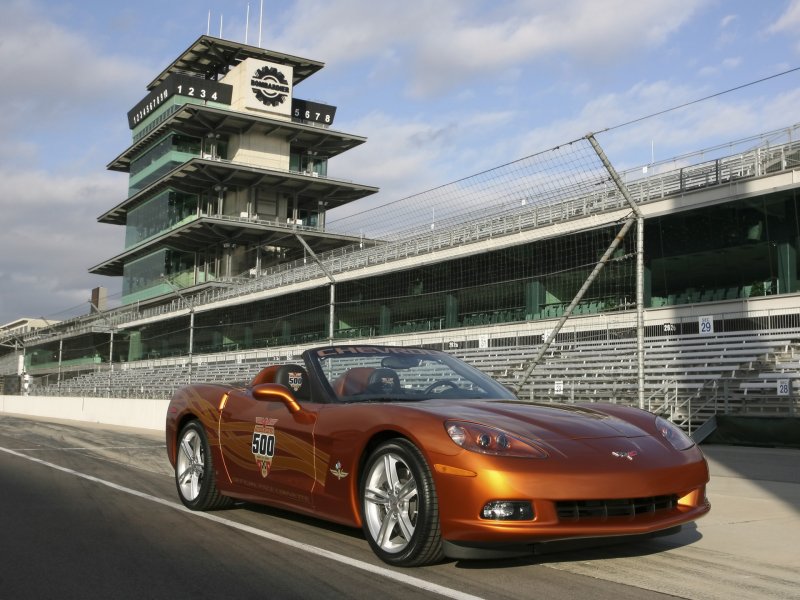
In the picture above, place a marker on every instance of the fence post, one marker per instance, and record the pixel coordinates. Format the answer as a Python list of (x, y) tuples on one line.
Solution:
[(725, 391)]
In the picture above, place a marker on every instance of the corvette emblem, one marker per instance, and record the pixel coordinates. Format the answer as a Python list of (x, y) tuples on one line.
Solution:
[(337, 471), (629, 455)]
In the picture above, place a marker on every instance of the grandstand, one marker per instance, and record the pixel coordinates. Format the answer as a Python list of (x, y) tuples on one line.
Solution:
[(690, 377), (240, 252)]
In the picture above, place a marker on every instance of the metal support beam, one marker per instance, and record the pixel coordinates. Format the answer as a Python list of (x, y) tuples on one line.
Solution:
[(332, 313), (639, 263), (332, 305), (60, 354), (578, 297), (637, 217), (640, 308), (111, 329), (190, 305)]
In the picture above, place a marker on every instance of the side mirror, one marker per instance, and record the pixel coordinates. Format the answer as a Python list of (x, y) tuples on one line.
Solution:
[(275, 392)]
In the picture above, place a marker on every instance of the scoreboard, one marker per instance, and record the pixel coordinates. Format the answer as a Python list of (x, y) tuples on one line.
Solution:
[(179, 84), (316, 112)]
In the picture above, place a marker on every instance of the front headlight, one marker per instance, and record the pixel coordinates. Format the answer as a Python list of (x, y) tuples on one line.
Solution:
[(674, 434), (488, 440)]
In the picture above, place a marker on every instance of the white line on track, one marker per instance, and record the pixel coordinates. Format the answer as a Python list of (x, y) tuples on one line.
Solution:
[(50, 448), (383, 572)]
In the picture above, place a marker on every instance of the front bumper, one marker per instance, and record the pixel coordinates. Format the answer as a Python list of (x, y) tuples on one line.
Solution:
[(470, 481)]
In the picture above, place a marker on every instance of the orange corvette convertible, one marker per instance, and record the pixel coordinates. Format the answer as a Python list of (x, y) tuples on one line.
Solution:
[(430, 457)]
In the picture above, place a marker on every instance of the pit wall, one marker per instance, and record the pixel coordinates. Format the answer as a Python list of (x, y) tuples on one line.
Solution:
[(125, 412)]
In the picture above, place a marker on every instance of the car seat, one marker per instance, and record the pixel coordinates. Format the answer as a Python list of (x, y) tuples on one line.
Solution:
[(352, 382), (383, 381)]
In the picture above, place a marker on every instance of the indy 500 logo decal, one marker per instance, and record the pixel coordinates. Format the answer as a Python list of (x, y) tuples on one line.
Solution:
[(295, 381), (264, 443)]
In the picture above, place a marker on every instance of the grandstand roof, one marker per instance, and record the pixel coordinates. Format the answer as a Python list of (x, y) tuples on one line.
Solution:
[(211, 57)]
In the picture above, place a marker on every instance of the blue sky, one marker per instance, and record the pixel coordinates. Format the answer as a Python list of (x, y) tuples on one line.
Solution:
[(442, 90)]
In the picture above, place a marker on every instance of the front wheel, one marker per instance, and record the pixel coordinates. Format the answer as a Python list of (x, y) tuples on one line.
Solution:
[(399, 507), (194, 471)]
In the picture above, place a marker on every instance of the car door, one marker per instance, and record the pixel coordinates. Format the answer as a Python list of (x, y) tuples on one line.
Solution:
[(268, 451)]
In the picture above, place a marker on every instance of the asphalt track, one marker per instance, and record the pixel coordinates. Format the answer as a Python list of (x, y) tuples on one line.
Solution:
[(91, 512)]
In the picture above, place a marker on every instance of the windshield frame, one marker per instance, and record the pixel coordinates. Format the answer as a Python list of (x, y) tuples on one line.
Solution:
[(482, 387)]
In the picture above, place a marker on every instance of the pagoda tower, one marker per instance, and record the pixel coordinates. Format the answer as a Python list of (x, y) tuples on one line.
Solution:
[(228, 172)]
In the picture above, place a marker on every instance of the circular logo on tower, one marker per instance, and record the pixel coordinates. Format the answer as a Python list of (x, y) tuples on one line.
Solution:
[(270, 86)]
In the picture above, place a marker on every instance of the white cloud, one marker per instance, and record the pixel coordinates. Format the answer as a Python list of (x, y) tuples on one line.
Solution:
[(400, 157), (51, 74), (59, 90), (673, 133), (451, 41), (789, 21), (727, 64), (732, 62), (597, 33), (50, 237), (406, 157), (727, 20)]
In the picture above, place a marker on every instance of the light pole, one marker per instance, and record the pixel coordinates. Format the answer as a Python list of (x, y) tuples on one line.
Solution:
[(190, 306), (111, 328)]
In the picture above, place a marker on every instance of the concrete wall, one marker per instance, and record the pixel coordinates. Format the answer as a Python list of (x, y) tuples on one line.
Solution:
[(127, 412)]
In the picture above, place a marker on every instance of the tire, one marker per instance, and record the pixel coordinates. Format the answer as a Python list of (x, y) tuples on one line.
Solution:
[(194, 471), (399, 507)]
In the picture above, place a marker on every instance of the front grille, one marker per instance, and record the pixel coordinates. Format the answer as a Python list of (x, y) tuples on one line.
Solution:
[(607, 509)]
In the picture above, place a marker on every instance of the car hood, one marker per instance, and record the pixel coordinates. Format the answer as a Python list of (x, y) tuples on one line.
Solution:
[(538, 421)]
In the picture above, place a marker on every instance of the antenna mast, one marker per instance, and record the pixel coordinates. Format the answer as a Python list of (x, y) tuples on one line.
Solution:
[(247, 23), (260, 19)]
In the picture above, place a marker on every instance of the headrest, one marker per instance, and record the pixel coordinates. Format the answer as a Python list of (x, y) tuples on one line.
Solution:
[(295, 378), (383, 381), (266, 375)]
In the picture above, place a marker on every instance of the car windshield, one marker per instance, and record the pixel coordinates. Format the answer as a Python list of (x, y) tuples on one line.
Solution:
[(374, 373)]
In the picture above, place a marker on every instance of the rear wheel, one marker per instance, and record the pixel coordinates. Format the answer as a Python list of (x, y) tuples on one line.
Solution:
[(194, 471), (400, 511)]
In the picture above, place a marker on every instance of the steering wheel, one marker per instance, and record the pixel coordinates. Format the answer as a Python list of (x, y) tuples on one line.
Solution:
[(439, 383)]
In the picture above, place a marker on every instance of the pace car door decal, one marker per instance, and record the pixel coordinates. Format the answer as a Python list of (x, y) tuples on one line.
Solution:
[(263, 445), (267, 452)]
